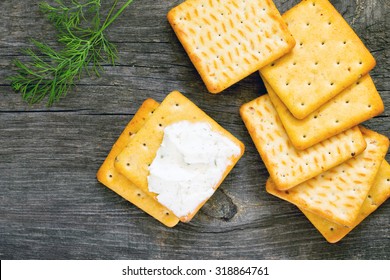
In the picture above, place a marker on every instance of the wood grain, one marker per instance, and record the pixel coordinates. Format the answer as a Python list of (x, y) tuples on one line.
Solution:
[(51, 205)]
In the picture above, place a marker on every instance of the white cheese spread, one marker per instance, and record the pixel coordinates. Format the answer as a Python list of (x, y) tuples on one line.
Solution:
[(188, 165)]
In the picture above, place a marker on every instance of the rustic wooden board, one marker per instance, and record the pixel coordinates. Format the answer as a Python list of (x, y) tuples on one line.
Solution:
[(52, 207)]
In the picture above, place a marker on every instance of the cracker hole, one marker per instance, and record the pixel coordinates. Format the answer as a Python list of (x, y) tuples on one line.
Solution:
[(347, 101), (300, 43), (316, 63), (130, 133), (304, 136), (369, 105), (307, 23), (388, 180), (302, 104), (360, 62), (139, 194), (315, 116), (338, 62), (336, 121), (306, 163), (128, 164), (357, 83), (309, 83), (294, 63), (329, 153), (110, 175), (329, 22), (349, 69), (331, 83), (144, 144), (353, 154), (166, 213), (323, 43), (331, 229), (160, 125), (369, 196), (345, 42), (314, 3), (286, 192), (272, 64)]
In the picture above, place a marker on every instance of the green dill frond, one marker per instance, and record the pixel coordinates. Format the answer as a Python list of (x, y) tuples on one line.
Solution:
[(52, 73)]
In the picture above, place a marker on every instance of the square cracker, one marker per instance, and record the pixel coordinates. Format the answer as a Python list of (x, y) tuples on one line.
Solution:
[(134, 160), (327, 58), (338, 194), (377, 195), (112, 179), (288, 166), (354, 105), (228, 40)]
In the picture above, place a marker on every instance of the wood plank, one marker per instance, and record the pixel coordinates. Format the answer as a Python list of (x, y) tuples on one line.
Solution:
[(52, 207)]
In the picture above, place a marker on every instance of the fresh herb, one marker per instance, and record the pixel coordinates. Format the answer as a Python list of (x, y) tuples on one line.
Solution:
[(52, 72)]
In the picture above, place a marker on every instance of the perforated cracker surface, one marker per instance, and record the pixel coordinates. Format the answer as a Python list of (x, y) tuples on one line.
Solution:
[(338, 194), (134, 160), (328, 57), (287, 165), (228, 40), (112, 179), (354, 105), (377, 195)]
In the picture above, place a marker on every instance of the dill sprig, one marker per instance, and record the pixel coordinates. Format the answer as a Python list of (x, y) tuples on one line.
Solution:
[(50, 72)]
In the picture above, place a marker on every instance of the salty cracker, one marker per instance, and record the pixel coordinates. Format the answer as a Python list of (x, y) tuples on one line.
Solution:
[(133, 162), (112, 179), (228, 40), (327, 58), (377, 195), (354, 105), (338, 194), (288, 166)]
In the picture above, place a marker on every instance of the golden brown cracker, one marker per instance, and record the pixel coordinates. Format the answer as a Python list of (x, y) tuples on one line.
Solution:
[(327, 58), (228, 40), (133, 162)]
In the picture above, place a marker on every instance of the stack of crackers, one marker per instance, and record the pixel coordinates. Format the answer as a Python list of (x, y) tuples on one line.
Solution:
[(126, 167), (306, 128)]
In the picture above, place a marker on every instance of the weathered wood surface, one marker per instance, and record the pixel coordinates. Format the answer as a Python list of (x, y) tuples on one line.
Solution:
[(52, 207)]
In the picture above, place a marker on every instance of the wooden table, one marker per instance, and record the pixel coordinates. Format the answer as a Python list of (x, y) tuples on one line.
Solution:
[(51, 205)]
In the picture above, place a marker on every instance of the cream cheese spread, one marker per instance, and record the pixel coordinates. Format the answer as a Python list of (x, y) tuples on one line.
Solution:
[(188, 165)]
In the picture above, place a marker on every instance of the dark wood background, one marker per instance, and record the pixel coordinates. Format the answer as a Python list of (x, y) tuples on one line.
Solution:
[(51, 205)]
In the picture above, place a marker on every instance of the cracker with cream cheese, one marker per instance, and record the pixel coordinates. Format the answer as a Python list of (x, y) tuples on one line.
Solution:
[(134, 161), (115, 181)]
